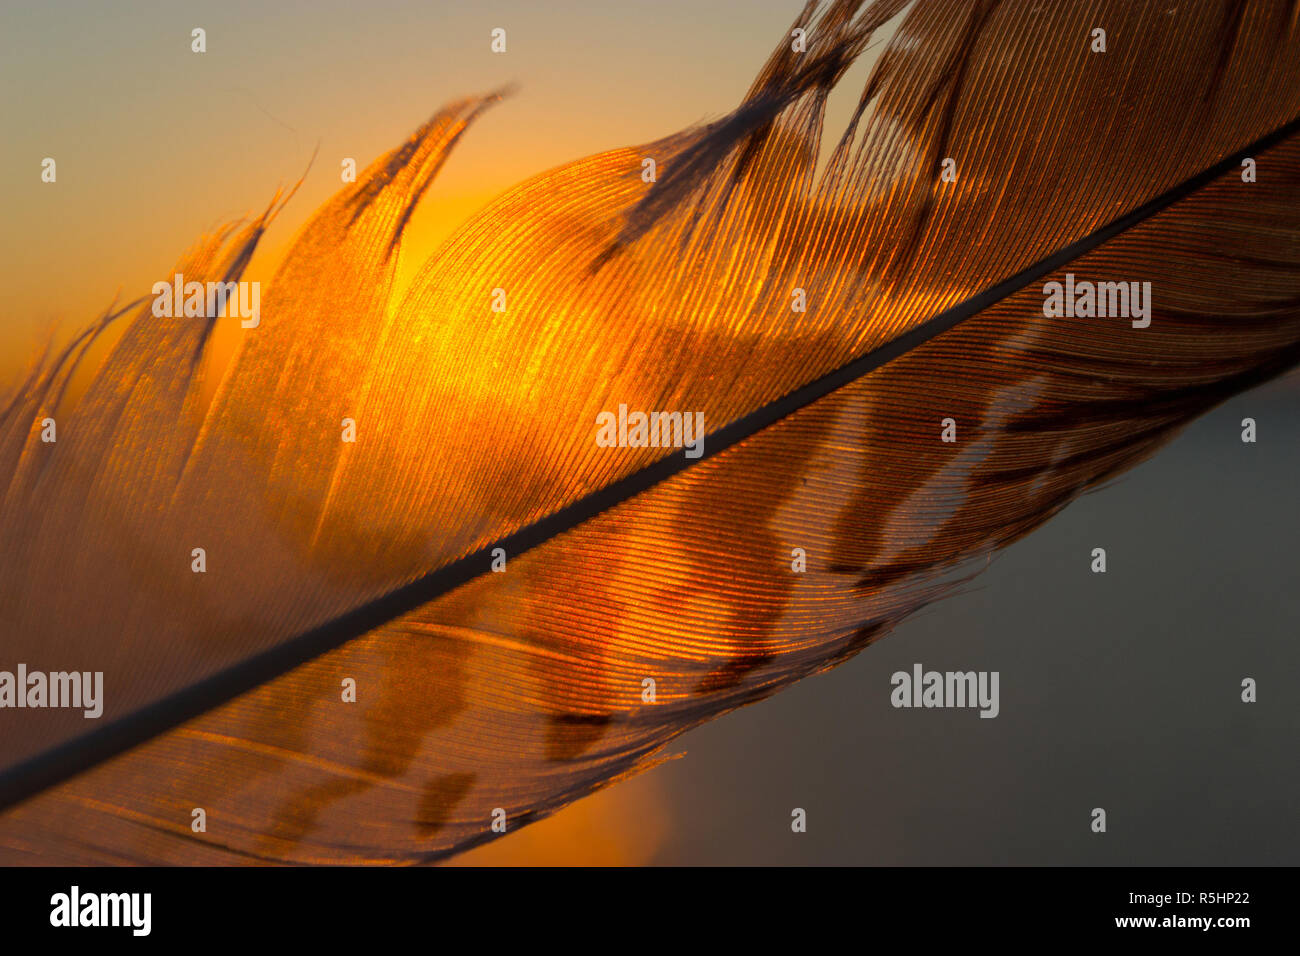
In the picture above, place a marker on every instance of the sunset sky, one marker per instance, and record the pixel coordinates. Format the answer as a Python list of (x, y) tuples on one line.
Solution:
[(156, 144)]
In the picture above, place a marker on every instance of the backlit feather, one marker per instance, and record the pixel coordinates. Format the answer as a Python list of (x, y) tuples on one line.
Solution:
[(476, 429)]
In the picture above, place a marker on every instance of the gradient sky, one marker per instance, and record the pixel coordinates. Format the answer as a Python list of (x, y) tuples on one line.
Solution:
[(156, 144)]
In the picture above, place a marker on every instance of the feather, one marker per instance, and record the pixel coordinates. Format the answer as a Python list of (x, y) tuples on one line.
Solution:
[(518, 692)]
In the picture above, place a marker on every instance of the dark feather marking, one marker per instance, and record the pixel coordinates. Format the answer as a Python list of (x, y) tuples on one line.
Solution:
[(1188, 401), (571, 735), (732, 672), (442, 795)]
